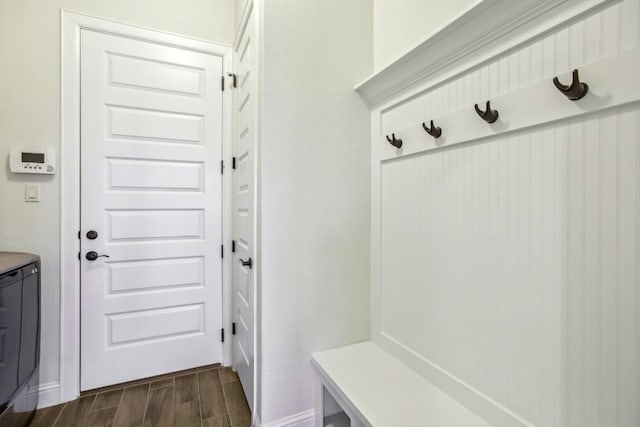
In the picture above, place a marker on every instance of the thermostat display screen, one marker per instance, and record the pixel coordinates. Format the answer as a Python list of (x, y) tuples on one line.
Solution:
[(33, 157)]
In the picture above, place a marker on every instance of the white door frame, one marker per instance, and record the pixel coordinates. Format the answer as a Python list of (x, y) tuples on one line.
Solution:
[(71, 25)]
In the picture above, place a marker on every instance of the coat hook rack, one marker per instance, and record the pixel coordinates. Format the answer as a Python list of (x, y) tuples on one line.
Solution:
[(575, 90), (488, 115), (393, 141), (433, 131)]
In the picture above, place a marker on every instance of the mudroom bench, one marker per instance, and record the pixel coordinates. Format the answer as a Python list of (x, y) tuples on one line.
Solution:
[(363, 385)]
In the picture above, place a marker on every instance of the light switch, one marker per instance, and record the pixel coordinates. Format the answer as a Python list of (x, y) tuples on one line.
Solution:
[(32, 193)]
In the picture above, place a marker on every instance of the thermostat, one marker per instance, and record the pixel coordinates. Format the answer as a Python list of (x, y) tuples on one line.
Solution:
[(32, 161)]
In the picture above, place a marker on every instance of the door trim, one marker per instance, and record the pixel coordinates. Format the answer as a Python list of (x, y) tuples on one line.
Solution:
[(71, 24)]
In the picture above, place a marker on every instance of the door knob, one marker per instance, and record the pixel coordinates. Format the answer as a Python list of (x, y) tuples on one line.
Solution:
[(247, 263), (93, 255)]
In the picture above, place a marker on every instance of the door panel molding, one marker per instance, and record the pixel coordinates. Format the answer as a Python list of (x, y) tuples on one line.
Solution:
[(71, 25)]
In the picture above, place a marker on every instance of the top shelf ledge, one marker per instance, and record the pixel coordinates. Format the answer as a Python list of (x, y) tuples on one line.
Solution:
[(479, 26)]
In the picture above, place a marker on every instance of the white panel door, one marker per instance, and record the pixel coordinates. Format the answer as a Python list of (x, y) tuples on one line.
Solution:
[(151, 145), (244, 212)]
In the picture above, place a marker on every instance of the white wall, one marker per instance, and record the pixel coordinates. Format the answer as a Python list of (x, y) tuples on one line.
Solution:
[(400, 25), (30, 116), (315, 192)]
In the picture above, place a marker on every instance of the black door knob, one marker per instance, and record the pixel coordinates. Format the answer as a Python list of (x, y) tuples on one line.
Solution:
[(93, 255), (92, 234), (247, 263)]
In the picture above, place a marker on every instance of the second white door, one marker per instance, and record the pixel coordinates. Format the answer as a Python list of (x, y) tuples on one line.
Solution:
[(151, 273), (244, 203)]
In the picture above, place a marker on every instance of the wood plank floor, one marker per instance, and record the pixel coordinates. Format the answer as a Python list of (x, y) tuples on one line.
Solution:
[(210, 397)]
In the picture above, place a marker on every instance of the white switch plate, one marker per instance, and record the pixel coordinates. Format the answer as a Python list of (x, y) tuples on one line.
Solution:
[(32, 192)]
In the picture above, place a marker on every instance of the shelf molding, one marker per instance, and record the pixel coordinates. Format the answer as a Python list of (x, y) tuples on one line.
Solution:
[(612, 84), (477, 29)]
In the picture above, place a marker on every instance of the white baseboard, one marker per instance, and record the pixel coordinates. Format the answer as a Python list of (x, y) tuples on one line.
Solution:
[(48, 394), (302, 419)]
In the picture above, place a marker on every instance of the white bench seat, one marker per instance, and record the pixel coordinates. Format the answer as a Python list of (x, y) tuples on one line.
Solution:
[(375, 389)]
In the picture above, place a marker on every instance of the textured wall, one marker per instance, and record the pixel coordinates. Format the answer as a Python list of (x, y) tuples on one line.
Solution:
[(315, 192)]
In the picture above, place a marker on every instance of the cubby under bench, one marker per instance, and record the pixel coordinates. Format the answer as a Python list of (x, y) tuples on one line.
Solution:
[(363, 385)]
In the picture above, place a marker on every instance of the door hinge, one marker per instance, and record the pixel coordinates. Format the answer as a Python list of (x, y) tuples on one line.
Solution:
[(221, 251), (234, 83), (223, 83), (233, 163), (222, 335), (233, 246), (221, 167), (78, 234), (233, 328), (78, 255)]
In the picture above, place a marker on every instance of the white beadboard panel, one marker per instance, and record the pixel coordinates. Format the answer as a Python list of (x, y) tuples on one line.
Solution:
[(603, 280), (512, 265), (508, 268), (628, 206), (574, 45), (472, 266)]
